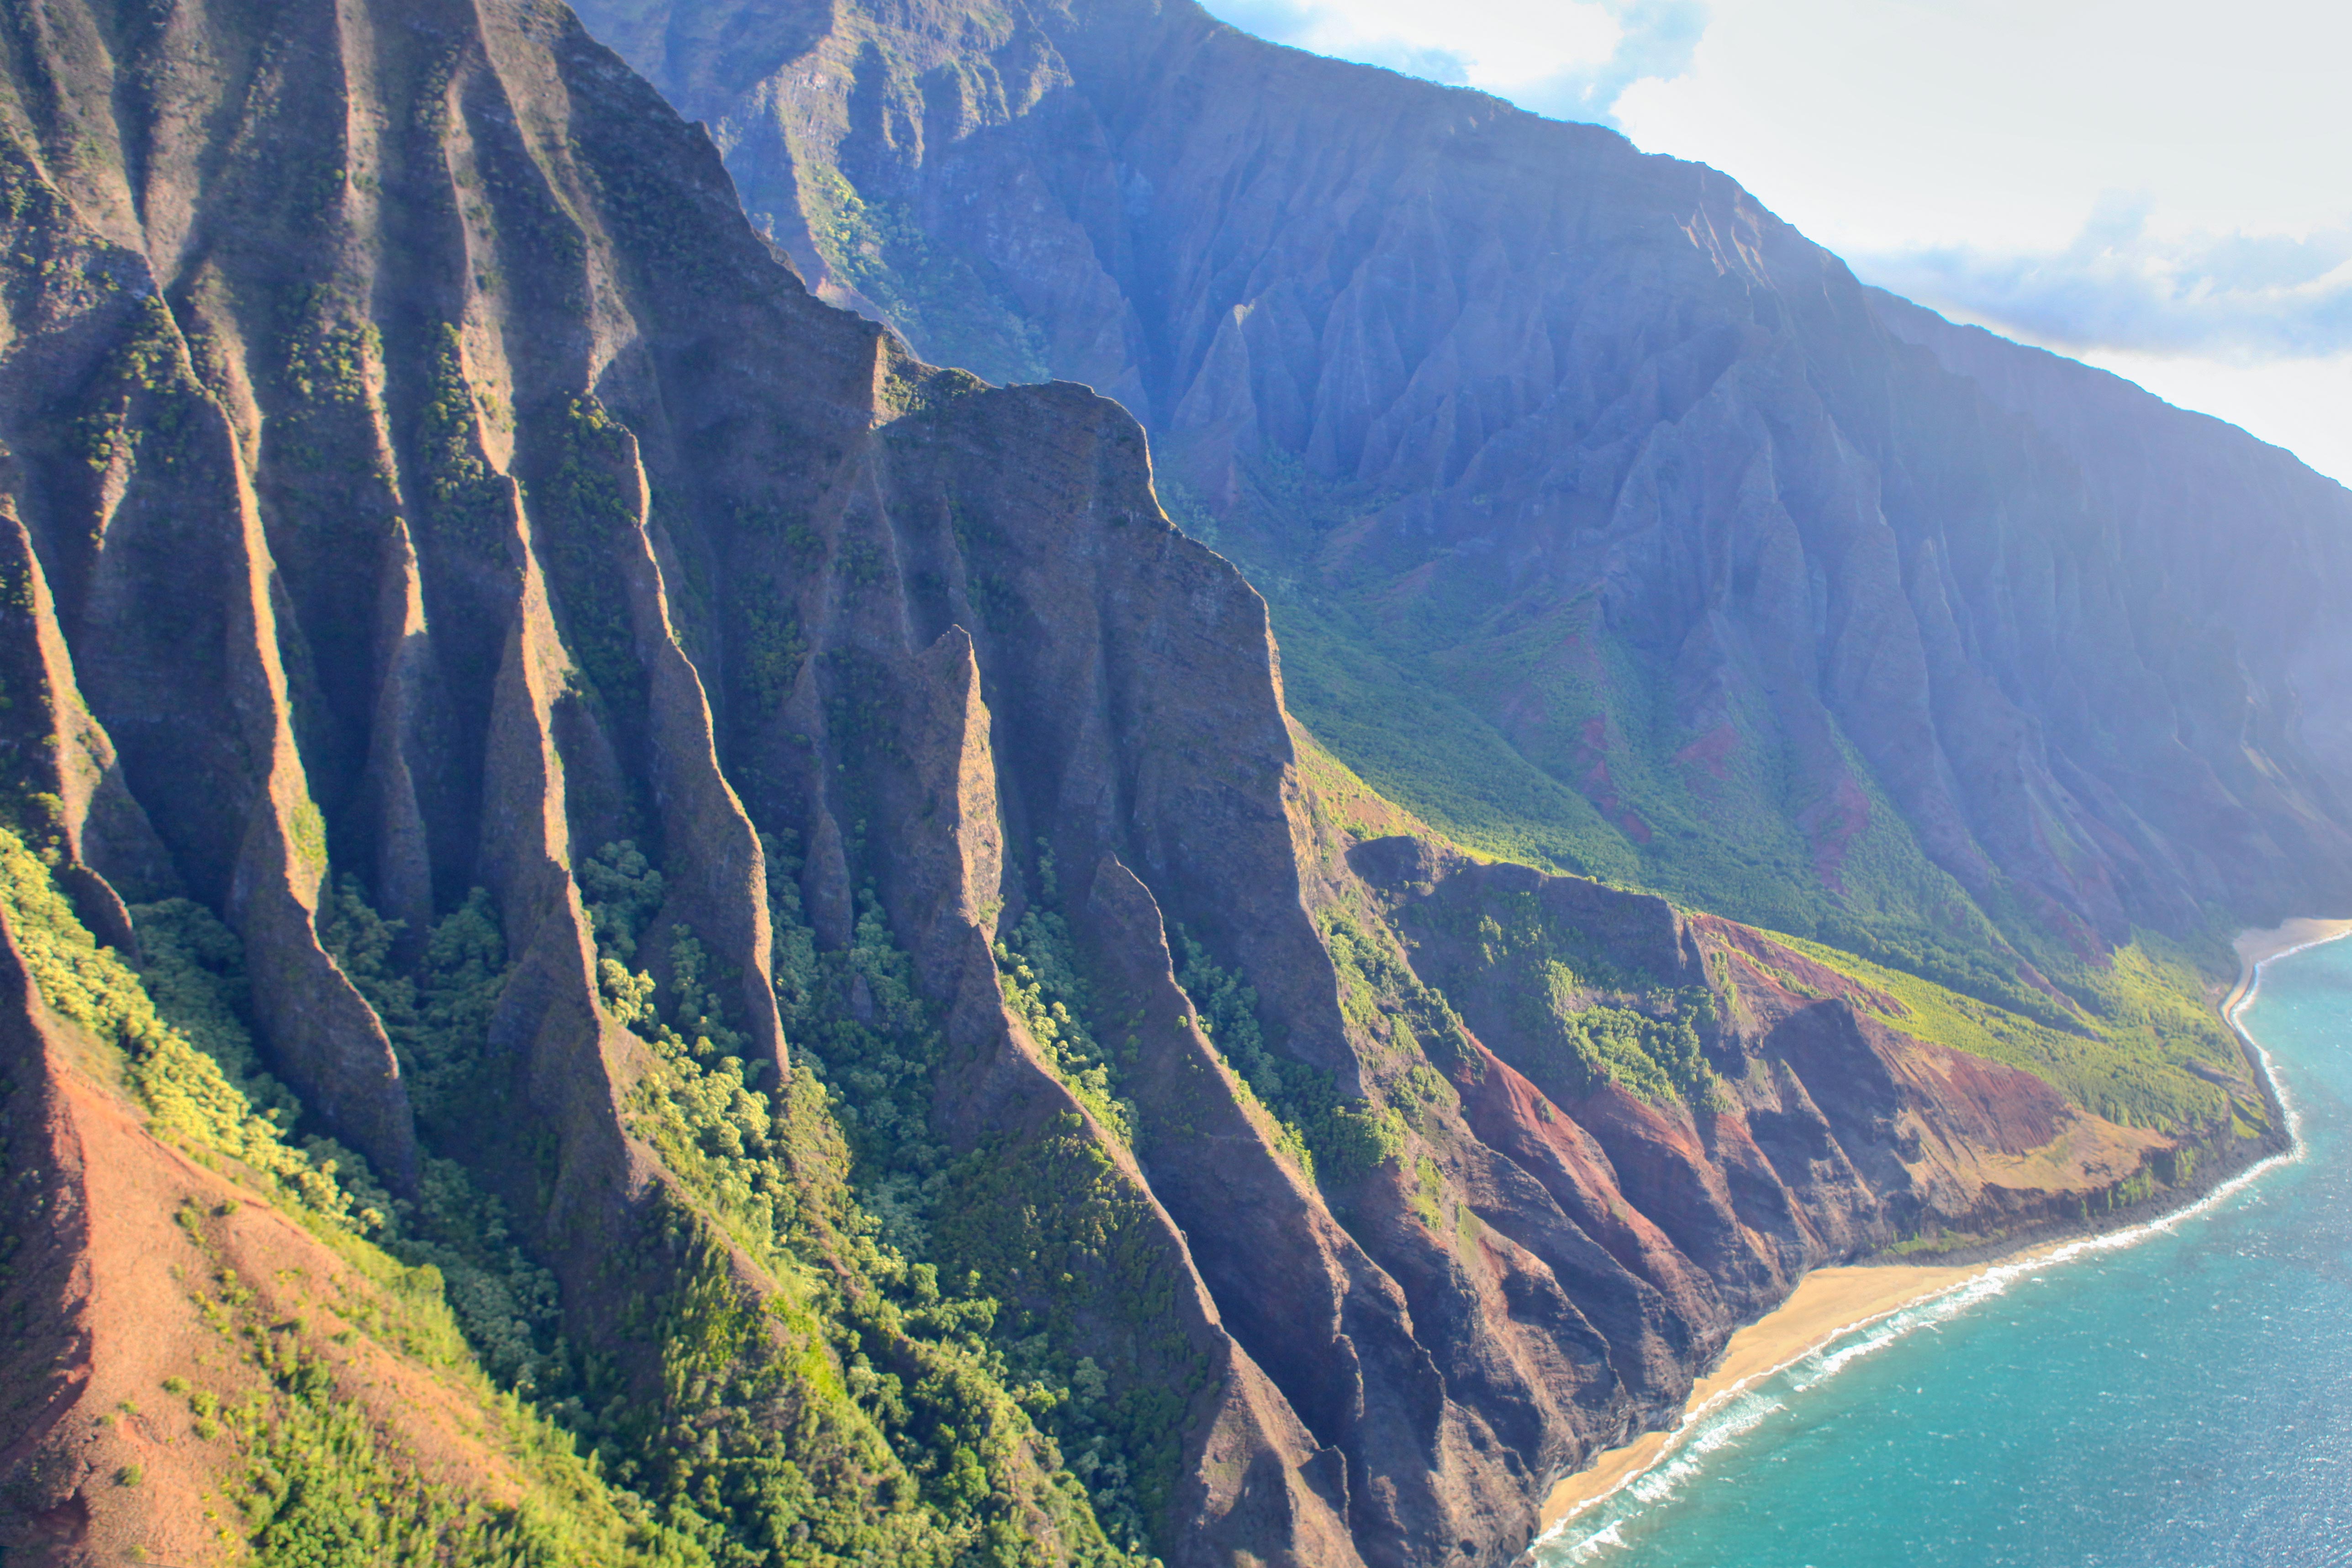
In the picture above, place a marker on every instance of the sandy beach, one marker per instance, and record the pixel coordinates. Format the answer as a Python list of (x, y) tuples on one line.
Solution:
[(1829, 1301), (2258, 947)]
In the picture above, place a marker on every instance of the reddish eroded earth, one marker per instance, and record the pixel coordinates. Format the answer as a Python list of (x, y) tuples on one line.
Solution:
[(1839, 1134), (122, 1248), (1712, 752)]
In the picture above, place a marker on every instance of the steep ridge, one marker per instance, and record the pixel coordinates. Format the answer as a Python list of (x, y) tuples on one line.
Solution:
[(1603, 519), (2191, 485), (747, 920)]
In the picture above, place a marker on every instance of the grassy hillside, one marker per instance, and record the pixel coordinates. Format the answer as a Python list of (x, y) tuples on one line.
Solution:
[(2132, 1060), (296, 1315), (2114, 1036), (1540, 736), (1394, 711)]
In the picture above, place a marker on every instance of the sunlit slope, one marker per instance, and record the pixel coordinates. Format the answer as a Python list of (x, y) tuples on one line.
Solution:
[(1602, 515)]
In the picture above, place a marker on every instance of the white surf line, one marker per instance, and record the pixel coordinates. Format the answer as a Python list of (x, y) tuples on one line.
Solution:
[(1943, 1305)]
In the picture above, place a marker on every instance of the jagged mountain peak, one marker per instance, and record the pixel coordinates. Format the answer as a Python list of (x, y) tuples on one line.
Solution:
[(1740, 595), (647, 930)]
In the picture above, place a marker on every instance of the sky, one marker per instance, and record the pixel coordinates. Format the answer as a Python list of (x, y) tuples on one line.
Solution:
[(2161, 189)]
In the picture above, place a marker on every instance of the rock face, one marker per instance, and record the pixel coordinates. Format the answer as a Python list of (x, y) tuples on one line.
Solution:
[(1933, 655), (2254, 533), (417, 479)]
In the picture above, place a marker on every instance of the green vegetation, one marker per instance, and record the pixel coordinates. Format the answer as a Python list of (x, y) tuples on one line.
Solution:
[(439, 1020), (853, 1416), (1050, 1224), (327, 390), (1043, 984), (324, 1489), (1425, 749), (471, 504), (322, 1486), (222, 1104), (332, 361), (1079, 1242), (1581, 1018), (780, 1422), (774, 646), (143, 403), (591, 518), (878, 1069), (650, 213), (1735, 847), (944, 307), (2124, 1048), (2129, 1062), (1657, 1059), (1422, 1037), (1329, 1137), (1546, 738), (861, 1378)]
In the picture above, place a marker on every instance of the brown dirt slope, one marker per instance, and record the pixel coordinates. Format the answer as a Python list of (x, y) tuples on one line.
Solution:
[(161, 1308)]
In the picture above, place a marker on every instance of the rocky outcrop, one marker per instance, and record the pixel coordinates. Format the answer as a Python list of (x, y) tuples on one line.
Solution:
[(421, 479), (1591, 445)]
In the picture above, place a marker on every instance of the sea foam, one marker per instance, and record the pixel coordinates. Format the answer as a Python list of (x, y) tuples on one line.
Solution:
[(1722, 1420)]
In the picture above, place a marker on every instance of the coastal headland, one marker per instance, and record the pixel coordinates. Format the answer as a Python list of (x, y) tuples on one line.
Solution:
[(1829, 1303)]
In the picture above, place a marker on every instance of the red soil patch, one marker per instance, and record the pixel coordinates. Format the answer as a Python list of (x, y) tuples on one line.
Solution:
[(1599, 786), (116, 1466), (1711, 751)]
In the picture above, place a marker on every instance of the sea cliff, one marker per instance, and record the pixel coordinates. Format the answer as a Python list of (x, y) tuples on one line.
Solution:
[(640, 927)]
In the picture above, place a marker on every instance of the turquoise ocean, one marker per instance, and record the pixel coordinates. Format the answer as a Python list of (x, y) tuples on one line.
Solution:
[(2178, 1395)]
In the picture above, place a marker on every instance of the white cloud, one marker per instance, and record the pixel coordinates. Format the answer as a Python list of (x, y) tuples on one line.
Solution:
[(1568, 60), (1974, 155), (2238, 297), (1889, 125)]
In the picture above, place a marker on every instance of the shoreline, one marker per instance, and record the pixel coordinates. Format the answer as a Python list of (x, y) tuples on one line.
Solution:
[(2256, 947), (1829, 1303), (1826, 1304)]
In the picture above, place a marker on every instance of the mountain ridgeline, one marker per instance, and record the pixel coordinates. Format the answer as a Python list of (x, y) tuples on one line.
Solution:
[(641, 929), (1606, 522)]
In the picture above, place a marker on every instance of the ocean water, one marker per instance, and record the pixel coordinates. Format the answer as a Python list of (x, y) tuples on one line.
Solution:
[(2179, 1396)]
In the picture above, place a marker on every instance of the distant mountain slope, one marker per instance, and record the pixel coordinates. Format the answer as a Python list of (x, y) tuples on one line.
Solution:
[(634, 928), (1603, 519), (2244, 521)]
